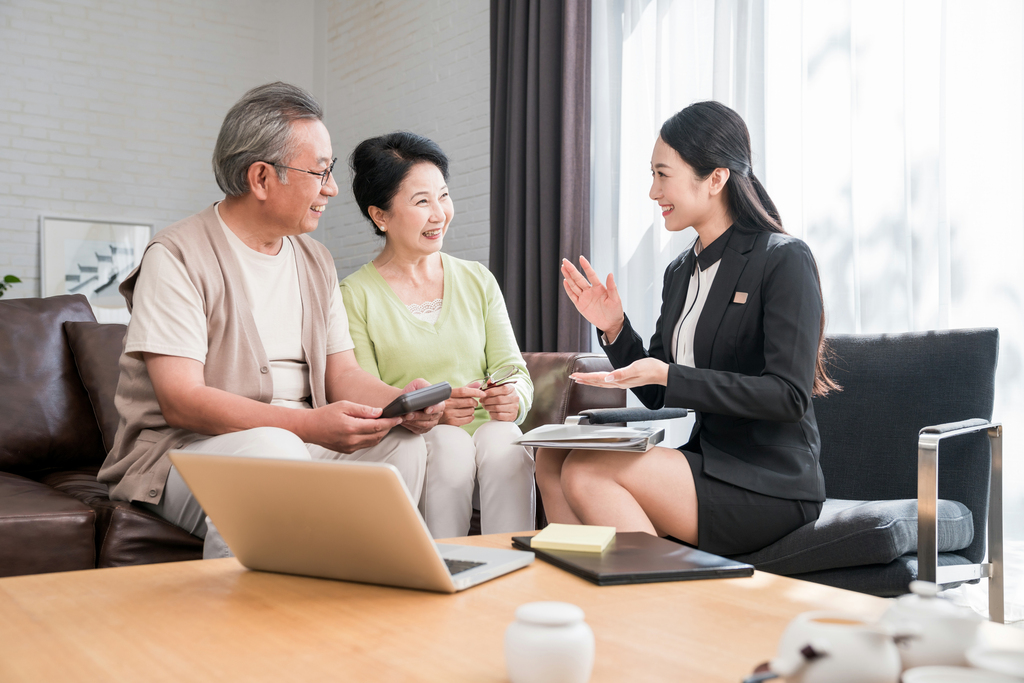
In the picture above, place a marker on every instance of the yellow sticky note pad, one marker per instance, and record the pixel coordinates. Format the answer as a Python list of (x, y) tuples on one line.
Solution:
[(577, 537)]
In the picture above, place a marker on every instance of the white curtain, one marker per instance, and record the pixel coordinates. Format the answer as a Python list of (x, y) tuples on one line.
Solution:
[(890, 133), (651, 58)]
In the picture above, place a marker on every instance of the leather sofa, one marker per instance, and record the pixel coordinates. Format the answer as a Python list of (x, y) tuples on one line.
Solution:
[(58, 372)]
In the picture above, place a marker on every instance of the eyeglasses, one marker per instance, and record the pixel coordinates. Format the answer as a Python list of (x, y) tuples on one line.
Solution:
[(323, 175), (502, 375)]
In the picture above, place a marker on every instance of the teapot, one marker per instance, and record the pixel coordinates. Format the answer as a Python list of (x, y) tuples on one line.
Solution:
[(947, 631), (836, 647)]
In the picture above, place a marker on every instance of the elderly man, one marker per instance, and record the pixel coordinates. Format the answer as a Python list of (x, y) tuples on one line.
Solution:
[(238, 342)]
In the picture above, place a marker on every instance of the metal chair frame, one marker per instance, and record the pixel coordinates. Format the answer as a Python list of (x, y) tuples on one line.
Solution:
[(927, 505)]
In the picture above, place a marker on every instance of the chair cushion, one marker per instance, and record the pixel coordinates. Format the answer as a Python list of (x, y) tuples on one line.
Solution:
[(97, 351), (43, 530), (45, 416), (883, 580), (851, 533)]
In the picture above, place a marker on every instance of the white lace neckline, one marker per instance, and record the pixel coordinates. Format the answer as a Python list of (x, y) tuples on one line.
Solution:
[(426, 307)]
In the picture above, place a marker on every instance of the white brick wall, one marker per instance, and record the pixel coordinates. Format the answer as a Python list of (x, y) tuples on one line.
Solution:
[(109, 108), (418, 66)]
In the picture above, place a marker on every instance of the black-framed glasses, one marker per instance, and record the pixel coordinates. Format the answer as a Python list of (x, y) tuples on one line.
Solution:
[(323, 175)]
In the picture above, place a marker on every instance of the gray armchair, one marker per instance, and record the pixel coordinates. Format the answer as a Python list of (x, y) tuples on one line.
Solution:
[(896, 511)]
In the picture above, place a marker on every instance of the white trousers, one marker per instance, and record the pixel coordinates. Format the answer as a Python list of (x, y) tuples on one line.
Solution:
[(457, 462), (406, 451)]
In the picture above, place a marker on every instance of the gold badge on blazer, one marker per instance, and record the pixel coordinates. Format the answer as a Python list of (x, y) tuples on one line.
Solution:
[(739, 298)]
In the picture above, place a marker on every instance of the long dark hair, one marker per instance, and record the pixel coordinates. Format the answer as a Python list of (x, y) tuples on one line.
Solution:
[(710, 135)]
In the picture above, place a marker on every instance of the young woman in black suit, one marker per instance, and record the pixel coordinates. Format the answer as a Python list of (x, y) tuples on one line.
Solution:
[(739, 341)]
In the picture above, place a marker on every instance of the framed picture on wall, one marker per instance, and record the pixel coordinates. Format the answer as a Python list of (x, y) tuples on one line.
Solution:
[(91, 258)]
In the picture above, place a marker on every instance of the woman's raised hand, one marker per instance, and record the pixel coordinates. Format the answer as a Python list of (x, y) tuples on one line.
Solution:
[(599, 304)]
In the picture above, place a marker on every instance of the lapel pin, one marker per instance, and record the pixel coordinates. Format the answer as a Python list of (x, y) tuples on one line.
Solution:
[(739, 298)]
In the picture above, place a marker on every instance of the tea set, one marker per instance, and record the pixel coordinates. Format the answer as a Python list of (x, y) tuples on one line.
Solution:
[(921, 638)]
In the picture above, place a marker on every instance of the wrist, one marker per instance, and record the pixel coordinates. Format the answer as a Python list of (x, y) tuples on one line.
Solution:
[(303, 424), (612, 332)]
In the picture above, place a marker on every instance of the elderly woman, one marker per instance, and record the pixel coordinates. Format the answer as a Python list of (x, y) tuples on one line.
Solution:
[(416, 312)]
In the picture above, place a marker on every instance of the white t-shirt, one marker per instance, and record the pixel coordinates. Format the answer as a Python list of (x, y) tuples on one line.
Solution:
[(168, 316)]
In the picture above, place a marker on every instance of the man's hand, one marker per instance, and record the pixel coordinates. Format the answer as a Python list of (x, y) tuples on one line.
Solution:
[(460, 408), (501, 402), (348, 427), (424, 420)]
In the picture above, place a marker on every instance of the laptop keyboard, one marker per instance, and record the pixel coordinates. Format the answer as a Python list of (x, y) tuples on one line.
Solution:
[(456, 566)]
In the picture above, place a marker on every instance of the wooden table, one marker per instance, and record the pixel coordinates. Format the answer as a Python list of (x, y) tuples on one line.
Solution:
[(215, 620)]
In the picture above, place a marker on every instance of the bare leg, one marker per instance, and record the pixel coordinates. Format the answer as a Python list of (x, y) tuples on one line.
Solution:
[(549, 481), (651, 492)]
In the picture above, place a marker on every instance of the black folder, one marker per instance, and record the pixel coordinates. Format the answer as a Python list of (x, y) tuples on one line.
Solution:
[(636, 557)]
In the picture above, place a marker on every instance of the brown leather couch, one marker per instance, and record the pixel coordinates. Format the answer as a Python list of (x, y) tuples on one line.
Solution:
[(58, 372)]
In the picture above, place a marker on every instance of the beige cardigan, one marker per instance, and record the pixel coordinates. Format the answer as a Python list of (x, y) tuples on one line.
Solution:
[(137, 466)]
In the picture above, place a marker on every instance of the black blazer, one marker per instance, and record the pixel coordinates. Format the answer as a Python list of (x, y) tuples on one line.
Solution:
[(755, 362)]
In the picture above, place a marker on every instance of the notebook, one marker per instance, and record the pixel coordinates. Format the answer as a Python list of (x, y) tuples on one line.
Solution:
[(636, 557), (353, 521)]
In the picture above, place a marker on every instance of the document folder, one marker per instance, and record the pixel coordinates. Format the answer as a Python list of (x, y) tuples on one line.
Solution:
[(636, 557), (597, 437)]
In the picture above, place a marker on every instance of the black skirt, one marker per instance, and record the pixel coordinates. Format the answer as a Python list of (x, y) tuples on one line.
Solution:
[(732, 520)]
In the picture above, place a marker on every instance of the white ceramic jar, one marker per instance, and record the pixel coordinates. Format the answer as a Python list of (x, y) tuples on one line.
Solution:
[(549, 643)]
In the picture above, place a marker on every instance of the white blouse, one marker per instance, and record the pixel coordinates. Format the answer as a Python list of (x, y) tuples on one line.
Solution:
[(696, 296)]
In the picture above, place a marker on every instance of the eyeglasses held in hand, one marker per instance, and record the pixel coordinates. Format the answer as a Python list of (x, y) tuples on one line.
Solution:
[(505, 374), (323, 175)]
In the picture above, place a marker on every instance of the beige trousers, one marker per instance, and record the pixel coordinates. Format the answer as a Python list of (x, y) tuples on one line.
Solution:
[(458, 463)]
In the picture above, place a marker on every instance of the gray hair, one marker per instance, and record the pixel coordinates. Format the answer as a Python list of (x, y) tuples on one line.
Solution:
[(258, 128)]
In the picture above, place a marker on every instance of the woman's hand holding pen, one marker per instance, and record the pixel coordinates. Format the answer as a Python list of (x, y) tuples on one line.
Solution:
[(638, 374), (599, 304)]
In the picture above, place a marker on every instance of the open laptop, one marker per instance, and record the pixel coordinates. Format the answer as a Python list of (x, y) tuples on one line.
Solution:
[(353, 521)]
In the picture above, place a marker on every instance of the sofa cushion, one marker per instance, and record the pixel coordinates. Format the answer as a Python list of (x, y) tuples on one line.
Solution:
[(43, 530), (97, 351), (45, 416), (887, 580), (126, 534), (851, 533)]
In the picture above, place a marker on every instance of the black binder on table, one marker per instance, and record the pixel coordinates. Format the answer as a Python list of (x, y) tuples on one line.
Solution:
[(636, 557)]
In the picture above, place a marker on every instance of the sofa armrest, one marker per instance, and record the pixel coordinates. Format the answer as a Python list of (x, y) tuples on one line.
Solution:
[(927, 505), (555, 396)]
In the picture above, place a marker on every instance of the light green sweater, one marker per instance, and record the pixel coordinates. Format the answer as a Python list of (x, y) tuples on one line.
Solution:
[(472, 335)]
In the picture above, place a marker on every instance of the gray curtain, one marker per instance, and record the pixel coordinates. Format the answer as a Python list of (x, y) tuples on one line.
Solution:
[(540, 164)]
